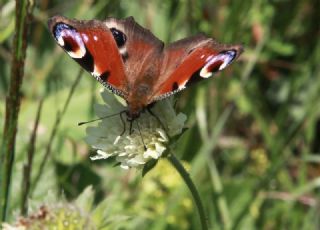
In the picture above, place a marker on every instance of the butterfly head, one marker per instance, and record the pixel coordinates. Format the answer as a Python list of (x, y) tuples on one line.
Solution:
[(132, 115)]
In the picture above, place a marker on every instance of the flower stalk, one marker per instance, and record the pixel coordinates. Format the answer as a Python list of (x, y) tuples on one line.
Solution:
[(193, 190)]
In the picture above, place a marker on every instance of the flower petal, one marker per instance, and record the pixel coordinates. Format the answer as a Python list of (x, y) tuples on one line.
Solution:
[(137, 148)]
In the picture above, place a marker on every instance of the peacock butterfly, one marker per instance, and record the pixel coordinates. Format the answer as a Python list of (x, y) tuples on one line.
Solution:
[(134, 64)]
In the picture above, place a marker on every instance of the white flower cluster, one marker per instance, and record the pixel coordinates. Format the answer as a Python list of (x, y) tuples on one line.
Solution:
[(137, 148)]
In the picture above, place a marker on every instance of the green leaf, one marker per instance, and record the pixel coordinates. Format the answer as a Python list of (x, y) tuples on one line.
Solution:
[(148, 166), (85, 199)]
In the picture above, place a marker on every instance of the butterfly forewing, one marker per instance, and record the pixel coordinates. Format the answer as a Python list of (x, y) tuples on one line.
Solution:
[(140, 53), (92, 45), (133, 63), (187, 62)]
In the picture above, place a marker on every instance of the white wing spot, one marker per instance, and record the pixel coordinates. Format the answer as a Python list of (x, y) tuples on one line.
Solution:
[(225, 57), (96, 74), (112, 23), (85, 37), (123, 50), (204, 73), (183, 85), (60, 41), (208, 58)]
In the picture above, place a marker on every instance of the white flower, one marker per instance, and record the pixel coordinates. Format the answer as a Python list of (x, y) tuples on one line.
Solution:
[(139, 147)]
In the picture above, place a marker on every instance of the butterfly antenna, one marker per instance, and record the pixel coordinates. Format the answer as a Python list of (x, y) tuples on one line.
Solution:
[(123, 122), (144, 145), (100, 118)]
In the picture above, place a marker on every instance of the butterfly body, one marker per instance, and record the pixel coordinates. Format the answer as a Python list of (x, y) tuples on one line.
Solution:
[(130, 61)]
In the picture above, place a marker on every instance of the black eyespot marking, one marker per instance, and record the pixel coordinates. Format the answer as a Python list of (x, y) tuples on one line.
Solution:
[(104, 76), (58, 28), (119, 37), (86, 61), (194, 78), (68, 46), (175, 86)]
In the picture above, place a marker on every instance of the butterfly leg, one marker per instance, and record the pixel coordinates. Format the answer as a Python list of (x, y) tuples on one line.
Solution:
[(144, 145), (123, 122), (156, 117), (130, 127)]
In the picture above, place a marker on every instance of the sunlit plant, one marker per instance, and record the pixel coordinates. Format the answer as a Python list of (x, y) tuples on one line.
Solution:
[(141, 142), (147, 140)]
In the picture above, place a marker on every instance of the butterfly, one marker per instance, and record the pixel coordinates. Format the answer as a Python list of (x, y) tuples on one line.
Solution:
[(134, 64)]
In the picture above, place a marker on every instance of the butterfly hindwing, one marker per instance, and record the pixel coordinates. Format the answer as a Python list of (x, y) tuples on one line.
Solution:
[(92, 44), (191, 60)]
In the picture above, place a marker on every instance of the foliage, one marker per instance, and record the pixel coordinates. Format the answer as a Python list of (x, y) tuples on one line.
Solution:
[(252, 145)]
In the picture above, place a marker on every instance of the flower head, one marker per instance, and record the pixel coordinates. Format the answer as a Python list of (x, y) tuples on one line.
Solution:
[(81, 213), (148, 140)]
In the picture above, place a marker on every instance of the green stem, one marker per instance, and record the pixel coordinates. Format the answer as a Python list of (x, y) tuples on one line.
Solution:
[(27, 168), (59, 117), (7, 152), (194, 192)]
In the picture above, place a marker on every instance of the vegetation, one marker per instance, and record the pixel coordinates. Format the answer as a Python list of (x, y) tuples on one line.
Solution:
[(253, 140)]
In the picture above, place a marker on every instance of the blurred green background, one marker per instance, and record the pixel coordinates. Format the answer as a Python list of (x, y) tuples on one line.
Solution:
[(253, 142)]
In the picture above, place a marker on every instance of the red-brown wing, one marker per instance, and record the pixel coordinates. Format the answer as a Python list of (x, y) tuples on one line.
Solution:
[(92, 45), (141, 52), (190, 60)]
